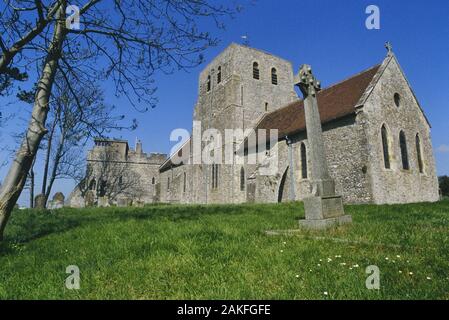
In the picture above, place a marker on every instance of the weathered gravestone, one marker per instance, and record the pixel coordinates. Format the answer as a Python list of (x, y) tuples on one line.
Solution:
[(57, 201), (103, 202), (124, 202), (323, 208), (40, 201)]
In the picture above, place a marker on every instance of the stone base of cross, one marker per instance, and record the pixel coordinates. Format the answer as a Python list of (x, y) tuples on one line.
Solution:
[(324, 208)]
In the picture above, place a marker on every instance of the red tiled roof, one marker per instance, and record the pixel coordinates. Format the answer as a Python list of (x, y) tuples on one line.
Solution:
[(334, 102)]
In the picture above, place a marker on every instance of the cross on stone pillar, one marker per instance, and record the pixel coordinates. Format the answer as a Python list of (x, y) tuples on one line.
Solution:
[(323, 208)]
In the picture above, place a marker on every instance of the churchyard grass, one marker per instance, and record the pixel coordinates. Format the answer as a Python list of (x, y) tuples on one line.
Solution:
[(222, 252)]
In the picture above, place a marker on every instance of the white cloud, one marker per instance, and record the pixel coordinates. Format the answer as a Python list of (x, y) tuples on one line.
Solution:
[(444, 148)]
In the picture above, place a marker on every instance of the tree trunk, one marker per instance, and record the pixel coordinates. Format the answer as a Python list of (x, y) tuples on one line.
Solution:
[(56, 163), (20, 167), (47, 159), (32, 188)]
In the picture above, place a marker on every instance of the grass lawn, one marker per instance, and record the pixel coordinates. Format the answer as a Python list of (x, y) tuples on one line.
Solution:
[(221, 252)]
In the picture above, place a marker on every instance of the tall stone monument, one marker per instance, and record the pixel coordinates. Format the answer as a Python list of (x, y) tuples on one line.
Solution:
[(323, 208)]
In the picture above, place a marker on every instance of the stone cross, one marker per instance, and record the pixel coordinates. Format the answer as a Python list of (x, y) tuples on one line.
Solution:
[(389, 48), (322, 185), (323, 208)]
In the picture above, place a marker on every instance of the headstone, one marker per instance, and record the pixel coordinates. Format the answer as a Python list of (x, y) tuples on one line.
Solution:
[(40, 201), (138, 203), (57, 201), (103, 202), (124, 202), (59, 197), (323, 208)]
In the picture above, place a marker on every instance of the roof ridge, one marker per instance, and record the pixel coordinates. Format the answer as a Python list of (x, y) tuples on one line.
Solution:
[(327, 88), (351, 77)]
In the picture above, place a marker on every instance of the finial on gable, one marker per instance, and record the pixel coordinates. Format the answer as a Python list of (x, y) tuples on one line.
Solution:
[(389, 48), (245, 40)]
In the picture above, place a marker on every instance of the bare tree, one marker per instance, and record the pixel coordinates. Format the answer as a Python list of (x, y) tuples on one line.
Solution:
[(111, 177), (30, 184), (70, 130), (125, 41)]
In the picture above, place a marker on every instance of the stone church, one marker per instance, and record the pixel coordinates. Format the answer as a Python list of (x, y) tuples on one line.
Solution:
[(377, 138)]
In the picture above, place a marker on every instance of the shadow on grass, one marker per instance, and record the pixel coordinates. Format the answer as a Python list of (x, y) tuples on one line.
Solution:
[(28, 225)]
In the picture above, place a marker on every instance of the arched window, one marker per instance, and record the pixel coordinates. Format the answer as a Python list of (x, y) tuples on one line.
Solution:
[(153, 181), (219, 75), (419, 155), (386, 151), (103, 186), (93, 185), (266, 106), (185, 183), (397, 99), (256, 72), (242, 179), (404, 152), (208, 83), (274, 76), (303, 161), (215, 176)]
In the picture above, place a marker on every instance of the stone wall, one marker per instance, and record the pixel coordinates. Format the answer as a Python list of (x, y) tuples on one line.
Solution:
[(237, 102), (139, 170), (344, 139), (397, 185)]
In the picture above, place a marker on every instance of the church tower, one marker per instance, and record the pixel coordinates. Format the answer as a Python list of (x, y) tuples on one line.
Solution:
[(240, 85), (235, 90)]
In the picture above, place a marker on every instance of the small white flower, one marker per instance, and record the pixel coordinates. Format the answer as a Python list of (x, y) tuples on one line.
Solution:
[(343, 264), (429, 278), (355, 266), (410, 273), (386, 258), (285, 242), (350, 268), (297, 276), (319, 265), (321, 260), (282, 251), (325, 293), (329, 260), (400, 271), (398, 256)]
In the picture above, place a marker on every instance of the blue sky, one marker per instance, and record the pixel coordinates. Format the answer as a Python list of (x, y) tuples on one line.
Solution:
[(332, 37)]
